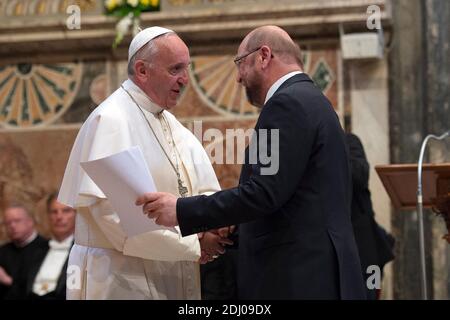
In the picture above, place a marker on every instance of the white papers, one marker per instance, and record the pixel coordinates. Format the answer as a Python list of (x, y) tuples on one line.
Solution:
[(123, 177)]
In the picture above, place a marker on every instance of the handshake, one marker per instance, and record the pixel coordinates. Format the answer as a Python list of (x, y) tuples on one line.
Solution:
[(213, 242), (161, 206)]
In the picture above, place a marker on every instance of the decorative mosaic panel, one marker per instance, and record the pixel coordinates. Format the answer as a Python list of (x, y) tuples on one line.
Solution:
[(321, 66), (37, 94), (323, 76), (42, 95), (214, 80)]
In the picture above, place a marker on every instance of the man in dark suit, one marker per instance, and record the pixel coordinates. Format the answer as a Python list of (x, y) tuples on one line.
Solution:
[(26, 248), (375, 245), (295, 235)]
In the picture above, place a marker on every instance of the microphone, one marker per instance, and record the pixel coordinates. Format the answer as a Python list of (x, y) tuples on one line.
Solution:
[(420, 211)]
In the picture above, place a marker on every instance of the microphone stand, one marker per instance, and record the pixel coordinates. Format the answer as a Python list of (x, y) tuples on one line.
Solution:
[(423, 273)]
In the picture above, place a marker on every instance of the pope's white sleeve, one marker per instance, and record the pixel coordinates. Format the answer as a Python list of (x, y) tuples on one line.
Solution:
[(162, 245)]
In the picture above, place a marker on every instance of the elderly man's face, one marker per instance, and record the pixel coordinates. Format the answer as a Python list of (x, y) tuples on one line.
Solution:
[(19, 225), (62, 220), (168, 72)]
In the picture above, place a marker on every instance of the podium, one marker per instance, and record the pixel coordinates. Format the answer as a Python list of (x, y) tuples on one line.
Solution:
[(400, 182)]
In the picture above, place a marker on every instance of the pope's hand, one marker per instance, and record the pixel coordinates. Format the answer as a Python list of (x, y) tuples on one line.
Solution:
[(160, 206), (214, 244)]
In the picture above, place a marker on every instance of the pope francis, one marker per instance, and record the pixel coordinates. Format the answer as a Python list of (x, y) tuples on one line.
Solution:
[(153, 265)]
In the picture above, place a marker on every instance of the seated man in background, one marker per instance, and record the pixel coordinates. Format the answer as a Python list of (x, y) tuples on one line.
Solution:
[(25, 249), (47, 279)]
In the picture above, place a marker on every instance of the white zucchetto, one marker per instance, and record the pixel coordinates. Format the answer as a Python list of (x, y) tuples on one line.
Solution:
[(143, 37)]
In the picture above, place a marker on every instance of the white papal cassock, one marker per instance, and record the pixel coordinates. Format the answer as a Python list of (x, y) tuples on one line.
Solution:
[(153, 265)]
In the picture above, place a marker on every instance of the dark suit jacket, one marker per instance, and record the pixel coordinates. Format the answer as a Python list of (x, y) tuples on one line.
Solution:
[(375, 246), (17, 263), (295, 235)]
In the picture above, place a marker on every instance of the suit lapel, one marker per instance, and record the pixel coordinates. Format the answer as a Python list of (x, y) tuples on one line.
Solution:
[(35, 265), (61, 284)]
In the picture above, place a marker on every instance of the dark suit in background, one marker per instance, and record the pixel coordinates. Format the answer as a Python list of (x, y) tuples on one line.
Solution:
[(25, 263), (375, 245), (295, 234), (18, 262)]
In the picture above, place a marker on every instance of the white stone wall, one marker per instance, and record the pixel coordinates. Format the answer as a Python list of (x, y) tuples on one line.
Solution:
[(370, 122)]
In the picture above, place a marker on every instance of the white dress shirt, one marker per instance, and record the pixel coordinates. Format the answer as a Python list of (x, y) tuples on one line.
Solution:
[(278, 83), (51, 268)]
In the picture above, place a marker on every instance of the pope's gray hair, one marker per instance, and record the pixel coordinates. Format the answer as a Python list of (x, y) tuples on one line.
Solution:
[(147, 52)]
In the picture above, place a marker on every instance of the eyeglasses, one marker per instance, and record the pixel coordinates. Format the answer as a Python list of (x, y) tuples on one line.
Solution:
[(238, 60)]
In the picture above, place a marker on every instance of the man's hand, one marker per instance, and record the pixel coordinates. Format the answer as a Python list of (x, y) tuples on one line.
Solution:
[(160, 206), (205, 258), (5, 278), (212, 245), (225, 232)]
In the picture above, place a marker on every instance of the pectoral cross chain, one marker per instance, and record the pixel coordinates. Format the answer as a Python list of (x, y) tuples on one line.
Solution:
[(182, 189)]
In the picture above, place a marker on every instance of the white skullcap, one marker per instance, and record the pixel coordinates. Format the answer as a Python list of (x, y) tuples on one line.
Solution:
[(143, 37)]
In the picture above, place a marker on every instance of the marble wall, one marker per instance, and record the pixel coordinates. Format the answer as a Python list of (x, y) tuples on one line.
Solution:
[(370, 122), (32, 164)]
